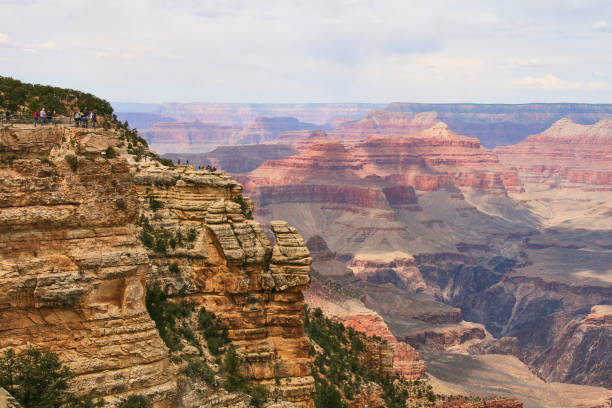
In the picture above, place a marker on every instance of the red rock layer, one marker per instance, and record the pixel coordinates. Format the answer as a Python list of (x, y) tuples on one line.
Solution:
[(385, 122), (567, 155), (432, 159), (402, 359)]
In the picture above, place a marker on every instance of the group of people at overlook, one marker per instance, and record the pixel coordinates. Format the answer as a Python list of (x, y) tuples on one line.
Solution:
[(81, 118)]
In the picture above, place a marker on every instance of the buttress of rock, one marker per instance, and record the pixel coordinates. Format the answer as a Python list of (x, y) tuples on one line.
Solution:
[(242, 241), (290, 264)]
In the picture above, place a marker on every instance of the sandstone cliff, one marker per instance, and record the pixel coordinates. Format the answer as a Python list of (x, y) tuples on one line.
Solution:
[(72, 271), (227, 265)]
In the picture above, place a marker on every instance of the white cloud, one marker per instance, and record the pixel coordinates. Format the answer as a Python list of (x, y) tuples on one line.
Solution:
[(322, 50), (554, 83), (600, 25), (49, 45)]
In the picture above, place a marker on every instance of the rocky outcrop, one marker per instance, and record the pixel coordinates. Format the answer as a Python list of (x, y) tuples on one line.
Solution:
[(6, 401), (432, 159), (229, 266), (72, 270)]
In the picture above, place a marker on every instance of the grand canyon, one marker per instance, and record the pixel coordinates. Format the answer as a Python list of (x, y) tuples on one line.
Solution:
[(293, 204), (476, 237), (415, 265)]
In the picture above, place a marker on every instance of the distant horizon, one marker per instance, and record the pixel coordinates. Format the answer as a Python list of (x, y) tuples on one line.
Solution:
[(353, 102)]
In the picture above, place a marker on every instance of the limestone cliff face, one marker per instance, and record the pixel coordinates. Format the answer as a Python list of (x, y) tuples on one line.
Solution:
[(72, 271), (227, 264)]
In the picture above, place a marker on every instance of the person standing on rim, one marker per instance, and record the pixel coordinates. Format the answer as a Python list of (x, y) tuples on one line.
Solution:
[(35, 118), (43, 116)]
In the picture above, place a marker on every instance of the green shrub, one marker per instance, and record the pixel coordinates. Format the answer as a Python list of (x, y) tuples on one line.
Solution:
[(166, 162), (197, 368), (38, 379), (72, 161), (16, 95), (246, 211), (135, 401), (165, 315), (192, 234), (213, 330), (110, 153), (161, 244), (259, 395), (328, 396), (232, 362), (154, 204), (121, 204), (174, 268), (147, 239)]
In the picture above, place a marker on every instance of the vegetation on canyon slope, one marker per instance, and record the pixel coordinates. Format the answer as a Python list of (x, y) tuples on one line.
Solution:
[(341, 373), (19, 96), (217, 363)]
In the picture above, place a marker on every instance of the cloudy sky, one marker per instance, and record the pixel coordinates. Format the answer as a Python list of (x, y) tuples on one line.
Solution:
[(314, 51)]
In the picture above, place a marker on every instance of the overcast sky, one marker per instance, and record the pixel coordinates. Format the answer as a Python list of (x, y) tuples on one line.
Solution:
[(314, 51)]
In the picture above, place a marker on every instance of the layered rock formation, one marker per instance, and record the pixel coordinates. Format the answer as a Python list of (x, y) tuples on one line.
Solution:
[(503, 124), (384, 122), (72, 270), (433, 159), (232, 270), (173, 137), (240, 114), (565, 173), (567, 155)]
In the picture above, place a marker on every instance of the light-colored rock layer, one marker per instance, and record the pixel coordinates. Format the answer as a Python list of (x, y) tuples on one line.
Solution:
[(71, 267)]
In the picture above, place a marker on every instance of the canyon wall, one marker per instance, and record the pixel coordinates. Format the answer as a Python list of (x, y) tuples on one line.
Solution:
[(72, 271), (73, 205), (232, 270)]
